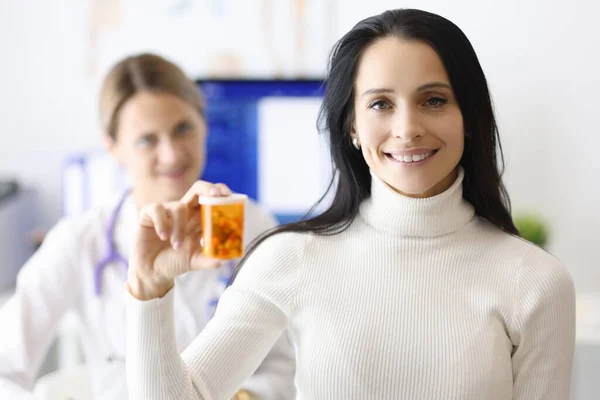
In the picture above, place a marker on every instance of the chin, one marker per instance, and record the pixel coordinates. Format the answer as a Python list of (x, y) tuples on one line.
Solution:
[(423, 186)]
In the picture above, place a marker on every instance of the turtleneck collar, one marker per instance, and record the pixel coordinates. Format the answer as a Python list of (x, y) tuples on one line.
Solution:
[(391, 212)]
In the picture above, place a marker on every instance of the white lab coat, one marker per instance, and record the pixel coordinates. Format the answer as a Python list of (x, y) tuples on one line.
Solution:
[(59, 279)]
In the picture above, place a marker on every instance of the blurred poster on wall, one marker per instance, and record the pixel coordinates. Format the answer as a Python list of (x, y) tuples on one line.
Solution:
[(214, 38)]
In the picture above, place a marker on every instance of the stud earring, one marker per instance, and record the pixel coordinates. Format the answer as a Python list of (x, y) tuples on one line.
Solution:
[(355, 143)]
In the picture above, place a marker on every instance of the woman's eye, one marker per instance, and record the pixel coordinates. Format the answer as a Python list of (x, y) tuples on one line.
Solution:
[(146, 141), (379, 105), (183, 128), (436, 101)]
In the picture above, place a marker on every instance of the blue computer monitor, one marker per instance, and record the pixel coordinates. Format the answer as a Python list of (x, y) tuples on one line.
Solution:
[(231, 114)]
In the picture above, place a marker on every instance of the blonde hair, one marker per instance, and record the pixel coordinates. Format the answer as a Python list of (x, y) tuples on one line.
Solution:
[(138, 73)]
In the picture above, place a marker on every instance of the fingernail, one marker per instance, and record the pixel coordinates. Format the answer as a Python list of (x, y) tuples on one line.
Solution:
[(177, 244), (214, 191), (163, 236)]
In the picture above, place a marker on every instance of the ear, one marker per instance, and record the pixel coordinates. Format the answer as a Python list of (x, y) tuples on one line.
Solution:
[(111, 147), (353, 133), (108, 142)]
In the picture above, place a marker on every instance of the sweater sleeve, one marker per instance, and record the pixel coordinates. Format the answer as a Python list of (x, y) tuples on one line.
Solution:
[(274, 378), (250, 317), (543, 329)]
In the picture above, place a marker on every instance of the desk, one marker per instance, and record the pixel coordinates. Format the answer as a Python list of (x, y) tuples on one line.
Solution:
[(586, 366), (586, 371), (18, 218)]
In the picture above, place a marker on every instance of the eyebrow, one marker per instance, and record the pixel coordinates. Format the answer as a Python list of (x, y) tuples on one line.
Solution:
[(183, 120), (146, 135), (420, 88), (434, 85)]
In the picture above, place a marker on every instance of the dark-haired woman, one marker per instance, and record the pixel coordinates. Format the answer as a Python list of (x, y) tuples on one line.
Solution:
[(413, 284)]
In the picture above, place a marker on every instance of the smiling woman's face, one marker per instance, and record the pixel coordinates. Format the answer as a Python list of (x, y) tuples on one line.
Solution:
[(160, 139), (407, 119)]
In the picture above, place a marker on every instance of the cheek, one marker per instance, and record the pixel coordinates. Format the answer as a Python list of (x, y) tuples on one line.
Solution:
[(372, 130), (142, 161), (456, 141), (195, 146), (450, 131), (459, 144)]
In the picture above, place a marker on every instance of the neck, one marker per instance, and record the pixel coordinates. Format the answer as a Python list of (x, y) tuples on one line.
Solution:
[(438, 188), (394, 213)]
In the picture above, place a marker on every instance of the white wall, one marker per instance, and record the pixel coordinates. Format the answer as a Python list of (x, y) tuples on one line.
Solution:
[(542, 65), (47, 106)]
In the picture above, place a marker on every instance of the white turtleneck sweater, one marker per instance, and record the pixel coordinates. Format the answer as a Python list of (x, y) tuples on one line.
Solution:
[(418, 300)]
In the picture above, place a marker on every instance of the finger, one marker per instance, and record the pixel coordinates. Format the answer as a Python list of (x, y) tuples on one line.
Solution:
[(193, 225), (155, 216), (203, 188), (179, 214), (223, 189), (199, 188)]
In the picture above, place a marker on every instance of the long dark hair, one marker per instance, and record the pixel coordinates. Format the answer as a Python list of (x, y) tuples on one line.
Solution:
[(482, 185)]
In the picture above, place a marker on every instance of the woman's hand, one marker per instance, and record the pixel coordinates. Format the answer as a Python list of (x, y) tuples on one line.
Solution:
[(167, 243)]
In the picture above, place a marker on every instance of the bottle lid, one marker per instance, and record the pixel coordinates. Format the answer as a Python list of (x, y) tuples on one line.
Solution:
[(235, 198)]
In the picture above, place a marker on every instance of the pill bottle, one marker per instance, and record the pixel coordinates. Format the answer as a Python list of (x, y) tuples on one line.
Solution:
[(222, 224)]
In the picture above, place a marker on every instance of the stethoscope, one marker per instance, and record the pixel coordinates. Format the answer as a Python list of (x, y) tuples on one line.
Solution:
[(112, 255)]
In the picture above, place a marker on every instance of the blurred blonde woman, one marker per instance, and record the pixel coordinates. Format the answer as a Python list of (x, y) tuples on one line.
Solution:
[(153, 121)]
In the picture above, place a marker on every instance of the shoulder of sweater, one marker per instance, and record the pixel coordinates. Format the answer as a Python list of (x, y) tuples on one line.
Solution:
[(528, 261), (538, 273), (278, 258), (540, 281), (530, 255), (544, 271), (283, 245), (503, 242), (543, 288)]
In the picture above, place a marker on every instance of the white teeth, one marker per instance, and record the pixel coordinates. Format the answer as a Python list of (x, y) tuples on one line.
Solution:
[(412, 158)]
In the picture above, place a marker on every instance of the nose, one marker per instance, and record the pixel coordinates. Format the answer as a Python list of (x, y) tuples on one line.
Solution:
[(407, 124), (168, 151)]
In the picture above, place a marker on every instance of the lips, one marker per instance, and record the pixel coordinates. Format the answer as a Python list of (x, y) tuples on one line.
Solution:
[(174, 173)]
